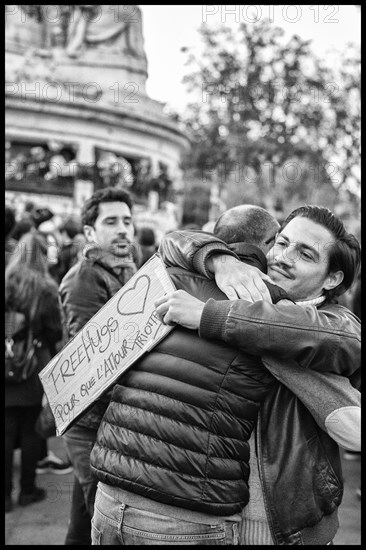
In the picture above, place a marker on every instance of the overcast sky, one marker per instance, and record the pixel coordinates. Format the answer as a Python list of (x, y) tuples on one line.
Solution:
[(168, 28)]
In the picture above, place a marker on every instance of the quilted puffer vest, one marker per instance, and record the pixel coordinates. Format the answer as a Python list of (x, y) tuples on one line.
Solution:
[(178, 424)]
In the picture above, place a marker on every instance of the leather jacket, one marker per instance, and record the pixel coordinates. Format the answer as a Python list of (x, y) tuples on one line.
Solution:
[(299, 464)]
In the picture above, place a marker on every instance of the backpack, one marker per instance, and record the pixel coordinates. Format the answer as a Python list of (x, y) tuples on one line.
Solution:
[(20, 347)]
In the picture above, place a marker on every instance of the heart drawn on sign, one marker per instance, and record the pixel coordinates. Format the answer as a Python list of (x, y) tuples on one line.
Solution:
[(142, 286)]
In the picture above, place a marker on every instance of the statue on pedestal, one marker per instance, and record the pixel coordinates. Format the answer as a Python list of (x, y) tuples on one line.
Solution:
[(78, 28), (109, 26), (78, 43)]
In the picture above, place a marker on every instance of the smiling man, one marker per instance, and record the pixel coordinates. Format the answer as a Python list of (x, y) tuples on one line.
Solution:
[(301, 260), (296, 478), (108, 263), (313, 259)]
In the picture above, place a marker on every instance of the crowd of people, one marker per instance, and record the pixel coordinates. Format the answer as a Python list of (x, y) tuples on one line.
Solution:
[(41, 163), (229, 431), (38, 254)]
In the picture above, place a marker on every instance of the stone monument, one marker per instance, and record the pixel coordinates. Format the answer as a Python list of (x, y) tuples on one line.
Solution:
[(76, 82)]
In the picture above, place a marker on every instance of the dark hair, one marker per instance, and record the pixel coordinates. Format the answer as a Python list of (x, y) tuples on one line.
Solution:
[(71, 227), (344, 254), (41, 215), (90, 210), (22, 227), (29, 206), (146, 236), (9, 220), (244, 223), (27, 272)]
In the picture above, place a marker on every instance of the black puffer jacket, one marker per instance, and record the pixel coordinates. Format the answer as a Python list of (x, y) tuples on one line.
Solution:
[(178, 425)]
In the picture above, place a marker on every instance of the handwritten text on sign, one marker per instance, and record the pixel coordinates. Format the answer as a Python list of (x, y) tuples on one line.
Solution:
[(123, 329)]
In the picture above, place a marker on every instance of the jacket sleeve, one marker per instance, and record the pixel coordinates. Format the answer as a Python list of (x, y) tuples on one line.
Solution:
[(334, 403), (81, 298), (325, 339), (190, 250)]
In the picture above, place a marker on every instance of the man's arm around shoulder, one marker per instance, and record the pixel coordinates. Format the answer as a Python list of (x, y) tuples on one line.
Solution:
[(192, 250), (324, 339)]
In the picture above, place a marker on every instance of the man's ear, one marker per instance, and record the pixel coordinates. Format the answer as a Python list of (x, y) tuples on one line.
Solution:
[(333, 280), (89, 233)]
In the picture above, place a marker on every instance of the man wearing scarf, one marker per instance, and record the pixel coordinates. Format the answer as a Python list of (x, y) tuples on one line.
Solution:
[(107, 264)]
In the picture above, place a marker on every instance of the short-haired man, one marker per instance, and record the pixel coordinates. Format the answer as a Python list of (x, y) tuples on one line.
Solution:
[(297, 478), (249, 224), (338, 409), (171, 452), (106, 266)]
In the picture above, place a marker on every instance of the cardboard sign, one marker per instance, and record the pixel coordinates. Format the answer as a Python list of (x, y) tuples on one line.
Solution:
[(123, 329)]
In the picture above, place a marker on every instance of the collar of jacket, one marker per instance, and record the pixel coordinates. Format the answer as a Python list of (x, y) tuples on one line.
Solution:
[(250, 254), (313, 302), (95, 254)]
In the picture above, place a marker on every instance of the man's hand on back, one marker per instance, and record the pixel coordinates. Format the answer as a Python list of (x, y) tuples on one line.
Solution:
[(239, 280), (180, 308)]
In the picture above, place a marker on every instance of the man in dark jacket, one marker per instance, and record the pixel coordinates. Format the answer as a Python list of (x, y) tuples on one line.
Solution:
[(172, 449), (174, 440), (296, 477), (107, 265)]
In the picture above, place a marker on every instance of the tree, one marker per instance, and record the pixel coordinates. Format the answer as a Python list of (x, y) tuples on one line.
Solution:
[(271, 122)]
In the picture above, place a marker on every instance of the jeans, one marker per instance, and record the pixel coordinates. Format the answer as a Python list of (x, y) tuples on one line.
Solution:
[(79, 443), (115, 523)]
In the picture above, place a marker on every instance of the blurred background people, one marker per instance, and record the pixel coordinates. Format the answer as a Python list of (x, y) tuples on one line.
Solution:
[(71, 246), (53, 250), (21, 227), (48, 462), (29, 289), (37, 163), (10, 242), (37, 214), (146, 239)]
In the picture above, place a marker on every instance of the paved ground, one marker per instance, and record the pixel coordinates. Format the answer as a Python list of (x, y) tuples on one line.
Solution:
[(45, 523)]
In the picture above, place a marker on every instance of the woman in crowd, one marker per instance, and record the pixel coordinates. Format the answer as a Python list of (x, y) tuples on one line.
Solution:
[(29, 289)]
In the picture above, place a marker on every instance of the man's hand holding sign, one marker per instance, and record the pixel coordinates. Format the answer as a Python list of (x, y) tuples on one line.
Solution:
[(122, 330)]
